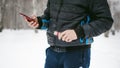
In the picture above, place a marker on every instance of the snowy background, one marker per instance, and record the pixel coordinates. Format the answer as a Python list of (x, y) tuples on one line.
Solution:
[(26, 49)]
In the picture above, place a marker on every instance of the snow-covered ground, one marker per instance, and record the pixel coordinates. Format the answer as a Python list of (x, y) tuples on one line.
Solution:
[(26, 49)]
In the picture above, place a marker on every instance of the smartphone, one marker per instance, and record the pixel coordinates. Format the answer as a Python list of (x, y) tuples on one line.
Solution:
[(29, 19)]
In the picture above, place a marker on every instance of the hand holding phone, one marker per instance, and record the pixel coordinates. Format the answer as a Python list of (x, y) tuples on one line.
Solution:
[(32, 22), (29, 19)]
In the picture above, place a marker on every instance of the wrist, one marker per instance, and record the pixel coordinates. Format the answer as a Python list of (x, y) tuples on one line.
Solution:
[(39, 21), (79, 32)]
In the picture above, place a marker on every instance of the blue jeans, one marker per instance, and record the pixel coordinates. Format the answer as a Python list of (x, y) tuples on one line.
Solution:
[(73, 59)]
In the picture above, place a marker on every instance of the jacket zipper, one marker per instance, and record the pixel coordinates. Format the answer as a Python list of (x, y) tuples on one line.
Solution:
[(57, 17)]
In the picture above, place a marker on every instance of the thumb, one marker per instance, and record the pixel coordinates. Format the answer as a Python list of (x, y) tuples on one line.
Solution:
[(33, 17), (56, 33)]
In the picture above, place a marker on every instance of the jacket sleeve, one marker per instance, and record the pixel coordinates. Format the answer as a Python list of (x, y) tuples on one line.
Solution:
[(44, 19), (101, 19)]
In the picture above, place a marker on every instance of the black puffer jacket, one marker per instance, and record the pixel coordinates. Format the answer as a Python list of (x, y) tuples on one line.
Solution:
[(89, 18)]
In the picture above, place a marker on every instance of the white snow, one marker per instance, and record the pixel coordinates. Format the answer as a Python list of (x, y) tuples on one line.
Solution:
[(26, 49)]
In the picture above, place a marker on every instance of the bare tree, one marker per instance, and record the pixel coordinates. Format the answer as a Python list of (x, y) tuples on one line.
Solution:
[(115, 10), (9, 12), (2, 13)]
